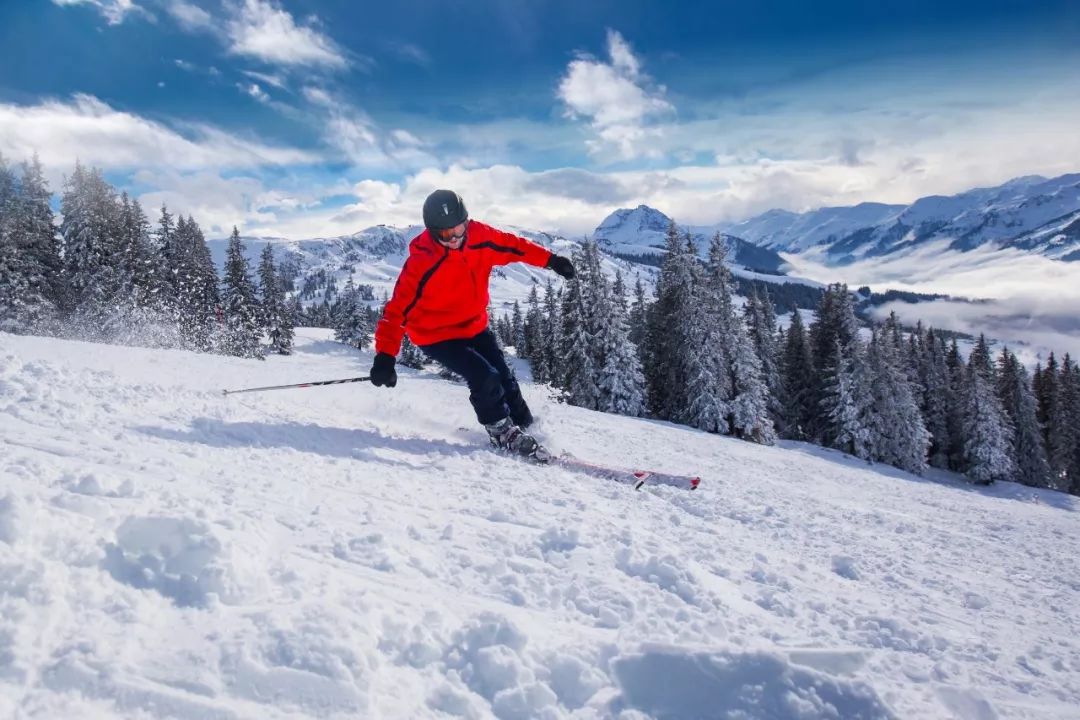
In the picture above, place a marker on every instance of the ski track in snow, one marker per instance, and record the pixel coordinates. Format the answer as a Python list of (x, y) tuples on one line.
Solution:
[(349, 551)]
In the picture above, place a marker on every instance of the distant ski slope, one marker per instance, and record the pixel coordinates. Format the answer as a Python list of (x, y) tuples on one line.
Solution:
[(347, 552)]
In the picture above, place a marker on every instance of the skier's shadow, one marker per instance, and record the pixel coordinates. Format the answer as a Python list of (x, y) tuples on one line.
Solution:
[(339, 442)]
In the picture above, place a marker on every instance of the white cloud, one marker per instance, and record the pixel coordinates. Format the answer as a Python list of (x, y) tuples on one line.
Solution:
[(253, 90), (1032, 299), (617, 101), (413, 53), (268, 79), (114, 11), (185, 65), (90, 130), (263, 30), (190, 17)]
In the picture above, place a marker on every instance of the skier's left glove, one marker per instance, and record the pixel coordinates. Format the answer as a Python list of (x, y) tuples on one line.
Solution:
[(562, 265), (382, 370)]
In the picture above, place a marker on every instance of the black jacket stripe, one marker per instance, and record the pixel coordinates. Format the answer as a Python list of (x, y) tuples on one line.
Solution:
[(420, 287), (499, 248)]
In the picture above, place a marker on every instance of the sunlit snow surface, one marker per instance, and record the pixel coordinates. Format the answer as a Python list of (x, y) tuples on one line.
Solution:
[(350, 551)]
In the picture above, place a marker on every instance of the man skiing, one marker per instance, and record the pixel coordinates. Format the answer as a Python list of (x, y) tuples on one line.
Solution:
[(441, 300)]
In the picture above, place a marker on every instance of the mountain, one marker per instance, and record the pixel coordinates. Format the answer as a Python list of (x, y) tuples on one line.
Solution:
[(640, 231), (374, 257), (1030, 213), (359, 552)]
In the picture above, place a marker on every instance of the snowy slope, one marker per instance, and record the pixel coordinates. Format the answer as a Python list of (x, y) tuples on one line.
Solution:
[(350, 552)]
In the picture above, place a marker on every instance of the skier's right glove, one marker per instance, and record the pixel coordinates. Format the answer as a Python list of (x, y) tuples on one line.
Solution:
[(382, 370)]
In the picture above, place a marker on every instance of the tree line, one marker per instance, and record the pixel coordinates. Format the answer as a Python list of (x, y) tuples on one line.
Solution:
[(107, 274), (907, 398)]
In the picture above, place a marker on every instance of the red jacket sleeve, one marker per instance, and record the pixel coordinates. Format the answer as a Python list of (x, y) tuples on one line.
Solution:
[(503, 248), (391, 327)]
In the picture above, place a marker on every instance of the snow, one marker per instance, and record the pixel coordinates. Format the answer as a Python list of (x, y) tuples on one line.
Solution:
[(350, 551)]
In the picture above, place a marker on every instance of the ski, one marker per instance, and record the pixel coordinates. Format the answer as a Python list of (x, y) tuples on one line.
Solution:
[(635, 478)]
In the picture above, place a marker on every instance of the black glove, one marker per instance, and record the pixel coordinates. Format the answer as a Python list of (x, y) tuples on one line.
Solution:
[(561, 265), (382, 370)]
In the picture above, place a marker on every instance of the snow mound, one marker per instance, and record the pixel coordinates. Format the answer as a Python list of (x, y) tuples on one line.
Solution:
[(181, 558), (671, 682)]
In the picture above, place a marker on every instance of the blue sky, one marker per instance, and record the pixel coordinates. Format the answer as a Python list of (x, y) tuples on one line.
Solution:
[(304, 118)]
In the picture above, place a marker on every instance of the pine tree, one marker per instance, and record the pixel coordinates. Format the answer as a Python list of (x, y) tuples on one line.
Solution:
[(935, 387), (13, 281), (956, 408), (576, 359), (899, 436), (205, 300), (638, 319), (848, 401), (351, 323), (760, 318), (548, 367), (40, 248), (987, 452), (92, 230), (834, 332), (1064, 428), (534, 322), (799, 384), (517, 329), (1018, 400), (669, 332), (620, 382), (277, 324), (241, 336)]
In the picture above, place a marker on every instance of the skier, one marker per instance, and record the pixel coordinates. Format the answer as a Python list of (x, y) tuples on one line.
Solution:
[(441, 300)]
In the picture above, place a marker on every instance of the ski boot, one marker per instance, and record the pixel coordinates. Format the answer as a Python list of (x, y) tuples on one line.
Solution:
[(505, 435)]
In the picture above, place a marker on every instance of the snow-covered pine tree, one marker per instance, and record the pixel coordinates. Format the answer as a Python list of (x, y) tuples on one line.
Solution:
[(276, 323), (956, 407), (13, 280), (834, 331), (517, 329), (205, 300), (547, 364), (798, 379), (351, 323), (709, 386), (987, 449), (36, 234), (171, 258), (534, 324), (411, 356), (637, 319), (898, 434), (935, 388), (1063, 447), (577, 372), (748, 406), (760, 317), (620, 382), (668, 334), (1018, 400), (241, 335), (848, 402), (92, 230)]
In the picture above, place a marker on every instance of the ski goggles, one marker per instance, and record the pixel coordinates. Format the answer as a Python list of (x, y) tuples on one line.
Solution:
[(451, 234)]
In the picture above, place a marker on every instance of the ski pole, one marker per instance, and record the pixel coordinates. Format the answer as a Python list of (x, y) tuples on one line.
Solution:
[(297, 385)]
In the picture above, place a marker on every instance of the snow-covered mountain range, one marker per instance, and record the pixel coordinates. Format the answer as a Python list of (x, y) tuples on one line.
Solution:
[(639, 231), (1029, 213)]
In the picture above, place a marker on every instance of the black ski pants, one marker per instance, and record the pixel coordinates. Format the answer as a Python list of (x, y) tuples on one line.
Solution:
[(494, 391)]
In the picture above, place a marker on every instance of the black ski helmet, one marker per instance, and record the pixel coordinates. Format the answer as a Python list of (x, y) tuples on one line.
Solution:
[(444, 209)]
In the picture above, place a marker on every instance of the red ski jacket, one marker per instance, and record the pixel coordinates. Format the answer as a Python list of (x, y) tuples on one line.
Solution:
[(442, 294)]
